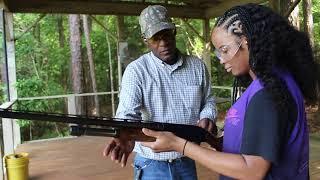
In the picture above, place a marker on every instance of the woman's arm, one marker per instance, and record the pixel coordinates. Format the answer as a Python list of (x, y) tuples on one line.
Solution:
[(231, 165)]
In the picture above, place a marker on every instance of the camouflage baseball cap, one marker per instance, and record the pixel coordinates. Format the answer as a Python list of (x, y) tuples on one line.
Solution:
[(154, 19)]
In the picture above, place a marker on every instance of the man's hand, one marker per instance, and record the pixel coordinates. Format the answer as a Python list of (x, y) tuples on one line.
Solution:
[(208, 125), (119, 150)]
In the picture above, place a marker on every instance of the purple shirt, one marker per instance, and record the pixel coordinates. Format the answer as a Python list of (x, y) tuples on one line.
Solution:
[(293, 164)]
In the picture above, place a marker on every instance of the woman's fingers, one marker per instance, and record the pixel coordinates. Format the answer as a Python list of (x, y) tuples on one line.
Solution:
[(150, 132), (148, 144)]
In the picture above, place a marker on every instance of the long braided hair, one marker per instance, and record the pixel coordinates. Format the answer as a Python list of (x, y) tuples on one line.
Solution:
[(273, 42)]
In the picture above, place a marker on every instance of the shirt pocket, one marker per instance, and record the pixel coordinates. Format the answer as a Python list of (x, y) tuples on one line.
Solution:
[(193, 96)]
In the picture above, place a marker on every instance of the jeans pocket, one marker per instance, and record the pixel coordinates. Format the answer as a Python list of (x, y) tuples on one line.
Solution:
[(141, 162)]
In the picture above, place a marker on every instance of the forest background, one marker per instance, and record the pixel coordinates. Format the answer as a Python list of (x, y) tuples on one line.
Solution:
[(47, 54)]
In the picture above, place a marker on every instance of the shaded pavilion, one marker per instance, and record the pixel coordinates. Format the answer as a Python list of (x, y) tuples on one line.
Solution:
[(193, 9)]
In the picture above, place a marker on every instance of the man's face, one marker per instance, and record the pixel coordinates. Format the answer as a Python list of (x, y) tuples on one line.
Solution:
[(163, 45)]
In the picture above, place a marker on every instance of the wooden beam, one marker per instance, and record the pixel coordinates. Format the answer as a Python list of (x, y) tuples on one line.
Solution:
[(221, 7), (97, 7), (33, 25), (8, 104), (3, 5), (104, 27)]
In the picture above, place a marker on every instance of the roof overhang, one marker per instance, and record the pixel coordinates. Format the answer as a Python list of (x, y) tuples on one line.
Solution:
[(198, 9)]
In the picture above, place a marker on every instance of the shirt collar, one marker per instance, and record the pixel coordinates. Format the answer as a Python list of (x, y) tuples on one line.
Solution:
[(163, 64)]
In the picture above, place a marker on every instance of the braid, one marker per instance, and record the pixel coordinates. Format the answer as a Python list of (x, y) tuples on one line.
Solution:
[(272, 42), (245, 19)]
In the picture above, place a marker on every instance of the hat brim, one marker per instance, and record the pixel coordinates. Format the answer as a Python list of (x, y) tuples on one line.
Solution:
[(158, 27)]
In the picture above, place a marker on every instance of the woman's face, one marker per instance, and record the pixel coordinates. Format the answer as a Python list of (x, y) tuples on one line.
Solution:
[(232, 51)]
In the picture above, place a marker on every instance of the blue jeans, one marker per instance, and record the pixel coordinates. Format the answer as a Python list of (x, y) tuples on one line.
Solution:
[(179, 169)]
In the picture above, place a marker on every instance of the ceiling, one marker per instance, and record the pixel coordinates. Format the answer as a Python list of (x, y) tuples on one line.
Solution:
[(198, 9)]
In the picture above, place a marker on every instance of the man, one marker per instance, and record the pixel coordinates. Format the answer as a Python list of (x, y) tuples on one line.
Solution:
[(163, 86)]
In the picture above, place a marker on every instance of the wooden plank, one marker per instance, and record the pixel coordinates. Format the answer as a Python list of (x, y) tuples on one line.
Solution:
[(7, 105), (81, 158)]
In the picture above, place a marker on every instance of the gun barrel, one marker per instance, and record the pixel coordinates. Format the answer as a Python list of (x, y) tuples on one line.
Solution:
[(114, 127)]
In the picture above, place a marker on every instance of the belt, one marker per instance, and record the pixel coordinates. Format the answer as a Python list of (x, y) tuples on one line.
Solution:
[(175, 160)]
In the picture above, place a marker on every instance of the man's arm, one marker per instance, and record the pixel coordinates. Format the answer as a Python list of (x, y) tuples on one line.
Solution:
[(208, 106), (130, 98), (129, 107), (208, 110)]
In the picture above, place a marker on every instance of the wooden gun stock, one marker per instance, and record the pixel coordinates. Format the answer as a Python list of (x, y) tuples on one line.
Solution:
[(114, 127)]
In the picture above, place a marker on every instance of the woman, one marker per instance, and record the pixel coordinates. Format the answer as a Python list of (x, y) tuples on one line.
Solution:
[(265, 133)]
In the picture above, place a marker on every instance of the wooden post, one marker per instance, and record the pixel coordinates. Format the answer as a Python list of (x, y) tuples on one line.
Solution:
[(72, 104), (207, 47), (11, 130)]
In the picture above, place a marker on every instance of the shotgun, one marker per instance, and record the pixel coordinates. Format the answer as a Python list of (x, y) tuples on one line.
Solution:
[(126, 129)]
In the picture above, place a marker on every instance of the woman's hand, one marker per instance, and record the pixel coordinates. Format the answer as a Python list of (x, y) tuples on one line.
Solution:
[(165, 141)]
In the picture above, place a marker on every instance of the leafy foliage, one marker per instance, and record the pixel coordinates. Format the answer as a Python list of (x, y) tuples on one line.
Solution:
[(316, 21)]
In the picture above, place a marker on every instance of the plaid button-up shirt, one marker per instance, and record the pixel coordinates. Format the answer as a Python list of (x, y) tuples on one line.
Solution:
[(155, 91)]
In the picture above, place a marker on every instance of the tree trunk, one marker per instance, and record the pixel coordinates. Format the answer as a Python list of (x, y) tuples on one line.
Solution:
[(121, 37), (76, 60), (308, 20), (111, 76), (294, 16), (36, 33), (62, 39), (60, 31), (91, 63)]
